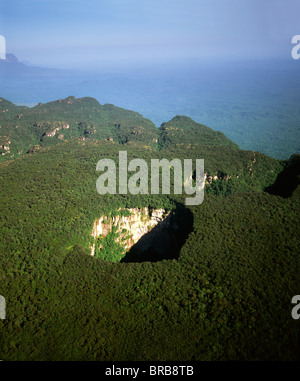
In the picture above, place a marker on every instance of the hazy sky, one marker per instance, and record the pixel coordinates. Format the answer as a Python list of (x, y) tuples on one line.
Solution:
[(68, 32)]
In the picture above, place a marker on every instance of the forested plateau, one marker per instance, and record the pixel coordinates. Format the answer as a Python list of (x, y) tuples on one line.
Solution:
[(223, 293)]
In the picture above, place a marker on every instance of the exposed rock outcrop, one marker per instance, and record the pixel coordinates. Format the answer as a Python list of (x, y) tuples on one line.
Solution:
[(4, 145), (52, 127), (220, 176), (131, 228)]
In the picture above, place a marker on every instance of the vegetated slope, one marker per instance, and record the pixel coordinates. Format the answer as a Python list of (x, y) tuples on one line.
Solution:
[(24, 128), (182, 130), (227, 297)]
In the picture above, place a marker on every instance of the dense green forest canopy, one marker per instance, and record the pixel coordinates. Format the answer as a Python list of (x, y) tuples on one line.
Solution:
[(47, 124), (228, 294)]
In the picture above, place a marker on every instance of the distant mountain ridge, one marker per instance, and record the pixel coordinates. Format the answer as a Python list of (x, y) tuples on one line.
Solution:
[(253, 106), (43, 125), (11, 58), (182, 130)]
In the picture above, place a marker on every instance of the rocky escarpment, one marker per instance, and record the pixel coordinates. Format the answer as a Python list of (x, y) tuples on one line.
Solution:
[(137, 235), (208, 178), (51, 128), (129, 226), (4, 145)]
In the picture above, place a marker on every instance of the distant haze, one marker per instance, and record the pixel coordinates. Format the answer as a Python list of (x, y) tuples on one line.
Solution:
[(224, 63), (85, 34)]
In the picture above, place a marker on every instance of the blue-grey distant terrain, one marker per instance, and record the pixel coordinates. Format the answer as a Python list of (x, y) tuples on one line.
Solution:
[(255, 103)]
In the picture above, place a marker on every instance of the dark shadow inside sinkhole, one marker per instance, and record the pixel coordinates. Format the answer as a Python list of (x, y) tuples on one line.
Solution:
[(165, 240)]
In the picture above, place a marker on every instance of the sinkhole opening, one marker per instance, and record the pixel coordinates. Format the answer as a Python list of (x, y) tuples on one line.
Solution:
[(165, 240), (140, 235)]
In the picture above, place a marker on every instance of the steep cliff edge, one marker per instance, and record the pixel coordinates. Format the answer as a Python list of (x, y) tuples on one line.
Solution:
[(127, 228), (135, 235)]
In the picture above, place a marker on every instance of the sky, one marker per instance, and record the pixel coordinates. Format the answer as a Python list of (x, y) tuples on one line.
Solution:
[(77, 33)]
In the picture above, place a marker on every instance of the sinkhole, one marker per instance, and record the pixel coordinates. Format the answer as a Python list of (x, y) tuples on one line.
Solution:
[(141, 234)]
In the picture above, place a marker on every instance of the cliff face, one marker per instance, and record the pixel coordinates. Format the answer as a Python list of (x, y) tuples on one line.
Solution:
[(130, 228)]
